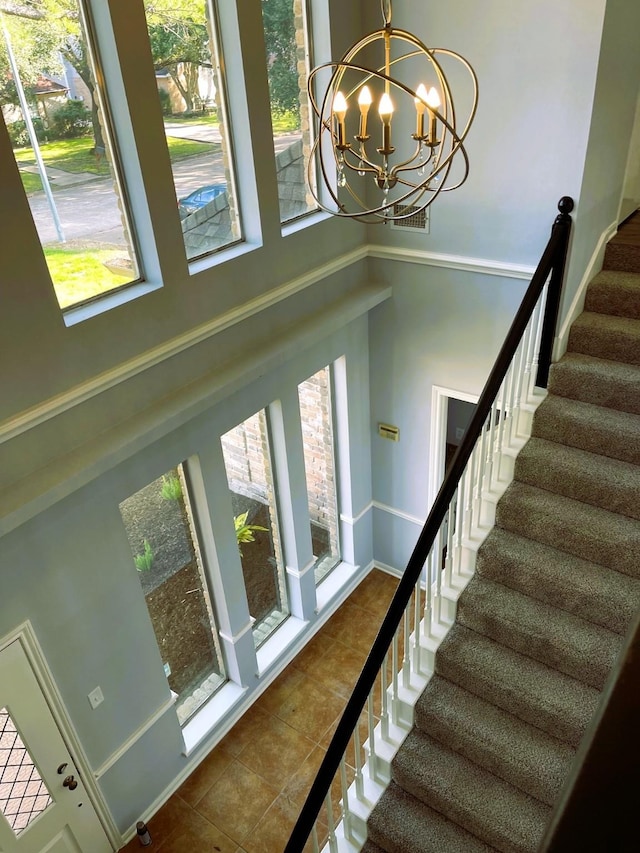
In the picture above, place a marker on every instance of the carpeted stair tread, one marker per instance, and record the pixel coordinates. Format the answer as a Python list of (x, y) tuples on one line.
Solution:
[(589, 532), (621, 256), (596, 380), (370, 847), (589, 477), (594, 428), (552, 636), (601, 595), (554, 702), (494, 739), (402, 824), (488, 807), (614, 292), (606, 336)]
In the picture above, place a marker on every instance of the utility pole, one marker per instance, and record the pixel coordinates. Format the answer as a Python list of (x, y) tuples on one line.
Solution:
[(32, 133)]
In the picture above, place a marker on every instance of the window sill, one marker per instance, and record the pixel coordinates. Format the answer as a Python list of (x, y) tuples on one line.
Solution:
[(204, 721), (78, 314), (214, 259)]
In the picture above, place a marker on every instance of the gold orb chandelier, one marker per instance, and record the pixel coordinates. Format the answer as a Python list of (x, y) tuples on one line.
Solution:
[(353, 168)]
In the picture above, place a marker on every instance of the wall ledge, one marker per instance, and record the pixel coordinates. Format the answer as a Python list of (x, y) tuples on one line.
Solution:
[(38, 490)]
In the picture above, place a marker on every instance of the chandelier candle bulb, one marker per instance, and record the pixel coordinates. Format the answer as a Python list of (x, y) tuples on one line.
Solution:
[(421, 101), (433, 100), (364, 102), (340, 111), (386, 111)]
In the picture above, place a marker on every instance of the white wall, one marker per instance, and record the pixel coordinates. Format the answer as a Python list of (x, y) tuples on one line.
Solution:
[(615, 99), (441, 327)]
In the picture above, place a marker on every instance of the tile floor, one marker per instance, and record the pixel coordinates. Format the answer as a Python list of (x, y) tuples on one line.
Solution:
[(245, 796)]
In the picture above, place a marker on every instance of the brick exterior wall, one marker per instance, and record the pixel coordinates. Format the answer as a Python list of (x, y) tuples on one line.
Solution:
[(246, 448), (317, 433)]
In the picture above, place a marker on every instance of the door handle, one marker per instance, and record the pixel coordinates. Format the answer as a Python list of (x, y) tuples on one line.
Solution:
[(70, 783)]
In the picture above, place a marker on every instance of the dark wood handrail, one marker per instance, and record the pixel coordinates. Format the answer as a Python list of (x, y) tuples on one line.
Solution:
[(552, 262)]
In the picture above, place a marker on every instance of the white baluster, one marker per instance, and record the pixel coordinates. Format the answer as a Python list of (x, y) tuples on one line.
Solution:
[(459, 519), (518, 361), (384, 712), (331, 823), (437, 564), (501, 425), (481, 447), (394, 677), (358, 763), (346, 812), (492, 443), (371, 725), (428, 598), (538, 336), (469, 478), (406, 661), (451, 521), (417, 602)]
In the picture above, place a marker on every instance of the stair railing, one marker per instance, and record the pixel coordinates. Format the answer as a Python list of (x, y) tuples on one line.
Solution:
[(402, 655)]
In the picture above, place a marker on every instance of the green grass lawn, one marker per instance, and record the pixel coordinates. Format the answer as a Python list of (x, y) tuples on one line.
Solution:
[(283, 122), (80, 274), (76, 155)]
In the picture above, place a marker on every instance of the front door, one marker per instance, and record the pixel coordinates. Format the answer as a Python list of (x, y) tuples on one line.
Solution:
[(44, 806)]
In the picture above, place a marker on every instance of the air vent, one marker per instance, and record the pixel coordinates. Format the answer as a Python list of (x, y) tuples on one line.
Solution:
[(416, 220)]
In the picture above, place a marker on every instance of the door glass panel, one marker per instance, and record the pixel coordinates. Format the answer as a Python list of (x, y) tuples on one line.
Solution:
[(161, 532), (314, 395), (250, 477), (55, 113), (23, 794), (187, 60), (285, 32)]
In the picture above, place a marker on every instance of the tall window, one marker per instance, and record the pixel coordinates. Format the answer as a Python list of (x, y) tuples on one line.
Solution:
[(285, 29), (161, 532), (187, 61), (250, 477), (314, 395), (55, 113)]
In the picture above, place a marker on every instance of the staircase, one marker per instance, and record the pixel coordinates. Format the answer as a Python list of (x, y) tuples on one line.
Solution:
[(557, 582)]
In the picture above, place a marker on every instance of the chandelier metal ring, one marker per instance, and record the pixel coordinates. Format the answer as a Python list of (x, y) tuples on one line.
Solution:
[(423, 166)]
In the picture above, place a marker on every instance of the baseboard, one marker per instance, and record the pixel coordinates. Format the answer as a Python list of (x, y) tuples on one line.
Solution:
[(577, 305)]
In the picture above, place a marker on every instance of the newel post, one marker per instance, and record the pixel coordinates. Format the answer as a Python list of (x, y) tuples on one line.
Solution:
[(561, 228)]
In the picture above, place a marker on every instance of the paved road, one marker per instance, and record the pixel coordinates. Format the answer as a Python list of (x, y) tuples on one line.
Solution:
[(90, 211)]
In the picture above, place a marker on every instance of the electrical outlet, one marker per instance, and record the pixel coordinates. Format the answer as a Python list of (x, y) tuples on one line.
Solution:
[(95, 698), (459, 433)]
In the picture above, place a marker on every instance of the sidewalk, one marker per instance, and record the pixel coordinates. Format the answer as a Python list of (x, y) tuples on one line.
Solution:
[(60, 178)]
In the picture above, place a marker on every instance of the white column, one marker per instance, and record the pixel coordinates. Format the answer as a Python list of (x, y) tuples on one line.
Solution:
[(213, 510), (295, 529)]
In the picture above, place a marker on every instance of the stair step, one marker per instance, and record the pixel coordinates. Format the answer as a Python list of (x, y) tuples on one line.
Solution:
[(601, 595), (401, 823), (606, 336), (488, 807), (622, 256), (614, 292), (542, 697), (594, 428), (370, 847), (589, 532), (552, 636), (597, 381), (589, 477), (494, 739)]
